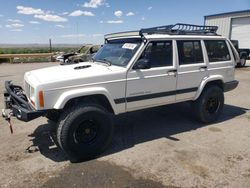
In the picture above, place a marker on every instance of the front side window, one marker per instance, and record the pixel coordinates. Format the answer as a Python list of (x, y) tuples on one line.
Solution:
[(217, 50), (159, 53), (117, 52), (189, 52)]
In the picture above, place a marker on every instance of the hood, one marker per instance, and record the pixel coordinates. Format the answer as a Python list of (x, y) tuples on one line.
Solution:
[(87, 72), (66, 55)]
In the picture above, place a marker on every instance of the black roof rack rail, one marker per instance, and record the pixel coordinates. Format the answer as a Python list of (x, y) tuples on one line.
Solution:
[(181, 29)]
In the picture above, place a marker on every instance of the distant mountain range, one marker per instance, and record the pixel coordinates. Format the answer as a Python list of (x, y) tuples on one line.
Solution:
[(39, 45)]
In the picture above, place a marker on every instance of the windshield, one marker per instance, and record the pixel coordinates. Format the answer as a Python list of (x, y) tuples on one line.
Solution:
[(83, 49), (117, 52)]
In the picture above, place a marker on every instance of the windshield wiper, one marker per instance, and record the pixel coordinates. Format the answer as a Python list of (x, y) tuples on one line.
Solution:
[(104, 60)]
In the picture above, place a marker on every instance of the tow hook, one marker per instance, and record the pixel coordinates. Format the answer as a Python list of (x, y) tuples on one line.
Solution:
[(7, 117)]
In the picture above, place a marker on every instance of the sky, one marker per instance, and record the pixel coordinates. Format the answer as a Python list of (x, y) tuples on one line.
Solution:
[(86, 21)]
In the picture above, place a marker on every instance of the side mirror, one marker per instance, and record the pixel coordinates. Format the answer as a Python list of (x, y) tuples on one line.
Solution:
[(142, 64)]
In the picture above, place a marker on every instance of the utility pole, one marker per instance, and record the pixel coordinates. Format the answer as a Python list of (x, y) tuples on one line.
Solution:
[(50, 50), (50, 47)]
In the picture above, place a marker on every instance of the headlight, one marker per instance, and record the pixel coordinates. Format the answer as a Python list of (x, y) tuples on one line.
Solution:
[(32, 92)]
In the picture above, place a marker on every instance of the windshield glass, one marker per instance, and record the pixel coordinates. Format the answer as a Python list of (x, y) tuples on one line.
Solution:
[(117, 52), (83, 49)]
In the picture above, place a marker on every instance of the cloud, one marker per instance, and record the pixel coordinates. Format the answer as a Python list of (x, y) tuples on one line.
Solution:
[(65, 13), (93, 3), (1, 26), (34, 22), (40, 14), (14, 20), (81, 13), (118, 13), (1, 15), (143, 18), (51, 18), (101, 21), (115, 21), (16, 30), (29, 10), (14, 25), (60, 26), (130, 14), (150, 8), (73, 36)]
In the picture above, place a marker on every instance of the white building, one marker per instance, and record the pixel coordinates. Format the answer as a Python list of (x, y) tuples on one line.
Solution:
[(234, 25)]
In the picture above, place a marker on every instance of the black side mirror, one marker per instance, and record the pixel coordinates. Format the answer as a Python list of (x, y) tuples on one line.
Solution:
[(142, 64)]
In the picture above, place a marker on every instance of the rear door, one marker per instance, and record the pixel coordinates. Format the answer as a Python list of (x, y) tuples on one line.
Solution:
[(192, 68)]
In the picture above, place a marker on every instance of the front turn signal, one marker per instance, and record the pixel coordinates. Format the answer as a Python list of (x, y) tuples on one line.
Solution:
[(41, 99)]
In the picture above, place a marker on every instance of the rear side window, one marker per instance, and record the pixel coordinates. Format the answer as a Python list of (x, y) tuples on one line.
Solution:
[(189, 52), (217, 50)]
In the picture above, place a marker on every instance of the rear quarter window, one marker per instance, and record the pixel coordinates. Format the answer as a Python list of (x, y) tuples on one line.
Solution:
[(217, 50)]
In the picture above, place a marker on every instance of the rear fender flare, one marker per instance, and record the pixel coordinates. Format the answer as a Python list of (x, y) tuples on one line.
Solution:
[(204, 83)]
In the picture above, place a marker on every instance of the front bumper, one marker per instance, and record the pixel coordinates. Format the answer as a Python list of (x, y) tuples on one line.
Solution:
[(17, 102), (228, 86)]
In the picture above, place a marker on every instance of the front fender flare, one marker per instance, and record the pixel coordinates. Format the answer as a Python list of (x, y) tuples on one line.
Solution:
[(204, 83), (68, 95)]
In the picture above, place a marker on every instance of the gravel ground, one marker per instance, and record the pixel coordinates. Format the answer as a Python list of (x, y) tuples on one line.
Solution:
[(160, 147)]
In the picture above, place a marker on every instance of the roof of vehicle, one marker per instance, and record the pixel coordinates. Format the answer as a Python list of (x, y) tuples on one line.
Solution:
[(169, 31)]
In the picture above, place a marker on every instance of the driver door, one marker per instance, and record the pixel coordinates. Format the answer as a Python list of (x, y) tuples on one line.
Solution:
[(155, 85)]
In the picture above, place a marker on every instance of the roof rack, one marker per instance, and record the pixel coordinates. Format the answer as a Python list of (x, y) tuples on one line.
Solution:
[(181, 29)]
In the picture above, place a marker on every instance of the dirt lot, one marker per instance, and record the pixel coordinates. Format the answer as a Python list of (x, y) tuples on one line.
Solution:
[(161, 147)]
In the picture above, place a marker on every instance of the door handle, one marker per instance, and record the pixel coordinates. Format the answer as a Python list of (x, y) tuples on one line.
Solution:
[(203, 68), (172, 72)]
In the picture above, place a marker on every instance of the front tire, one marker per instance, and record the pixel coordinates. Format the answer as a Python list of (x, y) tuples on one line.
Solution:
[(208, 107), (85, 131)]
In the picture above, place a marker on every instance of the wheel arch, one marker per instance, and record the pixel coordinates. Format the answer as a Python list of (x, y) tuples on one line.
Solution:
[(212, 80), (243, 54), (94, 95)]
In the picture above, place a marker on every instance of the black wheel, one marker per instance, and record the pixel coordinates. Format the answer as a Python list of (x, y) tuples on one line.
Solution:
[(85, 131), (208, 107), (53, 116), (243, 61)]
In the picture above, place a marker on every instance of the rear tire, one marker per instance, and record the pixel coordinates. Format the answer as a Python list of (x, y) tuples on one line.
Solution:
[(85, 131), (208, 107), (243, 61)]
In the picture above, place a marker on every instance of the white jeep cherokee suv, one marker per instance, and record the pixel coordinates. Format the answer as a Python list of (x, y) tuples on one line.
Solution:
[(132, 71)]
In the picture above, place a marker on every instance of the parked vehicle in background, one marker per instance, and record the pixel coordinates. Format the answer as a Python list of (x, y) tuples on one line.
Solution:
[(243, 53), (132, 71), (85, 53)]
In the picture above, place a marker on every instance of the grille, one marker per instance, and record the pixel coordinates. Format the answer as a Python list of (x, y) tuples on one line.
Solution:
[(27, 89)]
